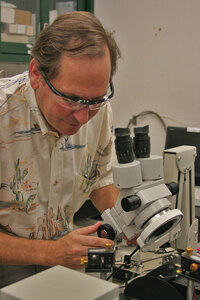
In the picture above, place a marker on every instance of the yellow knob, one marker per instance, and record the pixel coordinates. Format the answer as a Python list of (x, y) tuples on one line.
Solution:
[(194, 267), (108, 246), (83, 261), (189, 251)]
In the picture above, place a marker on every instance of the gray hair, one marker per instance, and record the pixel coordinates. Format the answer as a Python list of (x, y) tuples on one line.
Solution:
[(75, 34)]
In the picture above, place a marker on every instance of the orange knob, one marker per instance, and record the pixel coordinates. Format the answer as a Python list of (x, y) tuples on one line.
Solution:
[(194, 267)]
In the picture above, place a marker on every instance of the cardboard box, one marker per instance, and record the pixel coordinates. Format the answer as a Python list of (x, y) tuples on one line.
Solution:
[(8, 28), (7, 15), (12, 28), (30, 30), (23, 17), (21, 29), (17, 29), (15, 38)]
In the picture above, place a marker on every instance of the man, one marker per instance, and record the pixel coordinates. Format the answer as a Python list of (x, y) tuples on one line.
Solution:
[(56, 144)]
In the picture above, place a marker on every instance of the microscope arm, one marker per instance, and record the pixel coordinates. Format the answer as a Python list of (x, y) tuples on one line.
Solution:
[(179, 167)]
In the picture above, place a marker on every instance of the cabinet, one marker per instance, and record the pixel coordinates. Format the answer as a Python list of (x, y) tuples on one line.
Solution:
[(22, 20)]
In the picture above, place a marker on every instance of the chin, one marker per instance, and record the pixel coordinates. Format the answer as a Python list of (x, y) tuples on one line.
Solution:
[(70, 131)]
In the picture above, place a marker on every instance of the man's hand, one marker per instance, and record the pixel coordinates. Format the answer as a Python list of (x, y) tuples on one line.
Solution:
[(70, 248), (131, 242)]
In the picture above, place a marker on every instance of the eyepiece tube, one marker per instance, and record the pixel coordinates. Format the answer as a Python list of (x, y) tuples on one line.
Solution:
[(124, 145), (141, 140)]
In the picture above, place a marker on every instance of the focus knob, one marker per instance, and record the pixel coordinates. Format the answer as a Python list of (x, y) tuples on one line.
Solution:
[(173, 187), (130, 203), (106, 231)]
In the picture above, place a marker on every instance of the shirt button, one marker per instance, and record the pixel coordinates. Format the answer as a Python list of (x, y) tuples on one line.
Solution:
[(55, 183)]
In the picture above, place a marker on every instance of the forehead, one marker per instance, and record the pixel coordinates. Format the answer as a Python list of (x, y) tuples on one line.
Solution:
[(82, 74), (85, 65)]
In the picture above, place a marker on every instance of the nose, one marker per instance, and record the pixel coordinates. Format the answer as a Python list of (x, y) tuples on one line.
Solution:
[(82, 116)]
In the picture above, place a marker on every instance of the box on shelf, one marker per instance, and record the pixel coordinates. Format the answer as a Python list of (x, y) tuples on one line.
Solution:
[(7, 15), (21, 29), (8, 28), (16, 38), (17, 29), (30, 30), (23, 17), (17, 16)]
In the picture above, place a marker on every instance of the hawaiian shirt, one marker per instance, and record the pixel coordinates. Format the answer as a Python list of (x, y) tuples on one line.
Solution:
[(44, 177)]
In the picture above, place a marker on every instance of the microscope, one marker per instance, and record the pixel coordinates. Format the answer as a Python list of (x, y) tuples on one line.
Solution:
[(151, 211), (142, 210)]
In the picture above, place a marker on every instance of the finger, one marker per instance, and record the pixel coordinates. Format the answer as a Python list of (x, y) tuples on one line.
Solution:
[(93, 241), (132, 241), (89, 229)]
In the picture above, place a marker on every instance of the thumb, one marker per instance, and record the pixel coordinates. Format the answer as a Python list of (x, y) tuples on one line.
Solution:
[(89, 229)]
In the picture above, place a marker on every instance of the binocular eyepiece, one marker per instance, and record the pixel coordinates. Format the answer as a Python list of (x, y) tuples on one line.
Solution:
[(126, 147)]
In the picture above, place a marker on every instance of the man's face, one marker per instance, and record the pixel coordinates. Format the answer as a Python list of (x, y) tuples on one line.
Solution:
[(82, 77)]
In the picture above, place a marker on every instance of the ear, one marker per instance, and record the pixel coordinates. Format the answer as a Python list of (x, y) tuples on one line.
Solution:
[(35, 75)]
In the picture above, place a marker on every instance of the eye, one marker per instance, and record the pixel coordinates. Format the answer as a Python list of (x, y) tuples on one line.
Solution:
[(70, 102)]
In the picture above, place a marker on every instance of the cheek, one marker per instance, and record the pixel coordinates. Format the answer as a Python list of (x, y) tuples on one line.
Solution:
[(52, 111), (48, 103), (92, 113), (58, 113)]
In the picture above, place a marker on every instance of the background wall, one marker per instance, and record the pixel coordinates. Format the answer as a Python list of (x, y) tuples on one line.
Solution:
[(160, 68), (10, 69)]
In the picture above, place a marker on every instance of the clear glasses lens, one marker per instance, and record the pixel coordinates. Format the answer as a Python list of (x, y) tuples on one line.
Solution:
[(67, 103), (97, 106)]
